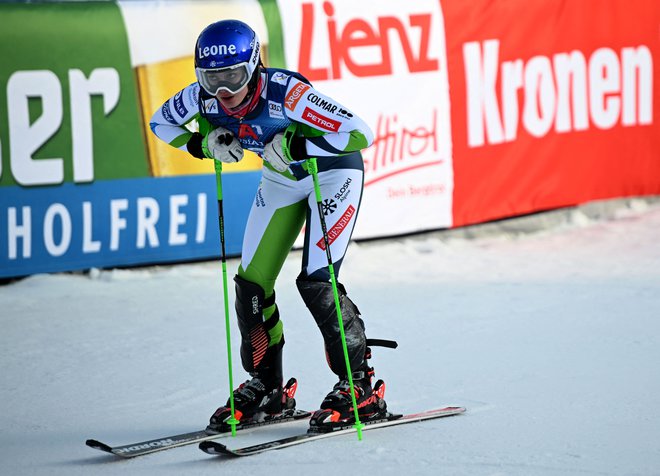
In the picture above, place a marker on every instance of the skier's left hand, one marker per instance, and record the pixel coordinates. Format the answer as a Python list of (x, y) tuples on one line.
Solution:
[(274, 155)]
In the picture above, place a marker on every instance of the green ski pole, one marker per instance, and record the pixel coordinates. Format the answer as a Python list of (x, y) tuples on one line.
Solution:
[(312, 168), (221, 219)]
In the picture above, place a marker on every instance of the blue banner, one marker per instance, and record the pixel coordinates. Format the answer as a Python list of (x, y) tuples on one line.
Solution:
[(120, 222)]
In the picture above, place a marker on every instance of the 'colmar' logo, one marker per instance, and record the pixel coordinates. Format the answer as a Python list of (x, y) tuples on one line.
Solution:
[(322, 103)]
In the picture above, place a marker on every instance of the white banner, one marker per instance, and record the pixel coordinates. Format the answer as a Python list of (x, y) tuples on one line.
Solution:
[(387, 62)]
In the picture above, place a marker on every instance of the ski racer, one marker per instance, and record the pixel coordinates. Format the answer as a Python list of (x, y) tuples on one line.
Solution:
[(241, 105)]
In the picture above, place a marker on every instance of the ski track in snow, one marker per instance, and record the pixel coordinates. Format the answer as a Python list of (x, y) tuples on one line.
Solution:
[(551, 339)]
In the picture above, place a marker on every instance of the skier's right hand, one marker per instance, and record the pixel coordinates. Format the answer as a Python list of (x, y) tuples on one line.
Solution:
[(220, 144)]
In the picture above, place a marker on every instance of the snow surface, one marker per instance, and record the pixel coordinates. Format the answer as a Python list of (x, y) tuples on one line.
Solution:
[(551, 339)]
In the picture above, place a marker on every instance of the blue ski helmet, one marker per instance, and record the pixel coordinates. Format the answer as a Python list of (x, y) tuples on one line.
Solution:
[(226, 56)]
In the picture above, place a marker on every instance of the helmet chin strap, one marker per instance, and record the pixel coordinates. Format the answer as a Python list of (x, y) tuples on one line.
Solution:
[(251, 99)]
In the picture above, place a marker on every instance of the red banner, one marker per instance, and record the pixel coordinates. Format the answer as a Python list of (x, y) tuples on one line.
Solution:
[(553, 103)]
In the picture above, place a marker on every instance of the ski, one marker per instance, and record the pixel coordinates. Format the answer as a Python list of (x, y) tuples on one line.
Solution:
[(158, 444), (218, 449)]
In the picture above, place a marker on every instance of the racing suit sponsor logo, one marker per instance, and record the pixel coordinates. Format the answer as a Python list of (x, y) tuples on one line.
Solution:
[(344, 191), (214, 50), (344, 113), (255, 54), (339, 227), (193, 93), (259, 199), (328, 206), (279, 78), (294, 96), (249, 130), (275, 110), (167, 114), (178, 104), (210, 106), (322, 103), (320, 120)]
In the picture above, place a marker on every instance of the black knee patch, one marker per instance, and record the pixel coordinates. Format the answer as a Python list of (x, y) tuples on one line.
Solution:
[(255, 340), (320, 301)]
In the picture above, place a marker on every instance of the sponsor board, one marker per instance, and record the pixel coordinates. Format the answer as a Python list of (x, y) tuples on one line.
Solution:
[(119, 222), (542, 120), (385, 62)]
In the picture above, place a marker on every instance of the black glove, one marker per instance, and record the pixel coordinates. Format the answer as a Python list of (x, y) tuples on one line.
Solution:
[(194, 145)]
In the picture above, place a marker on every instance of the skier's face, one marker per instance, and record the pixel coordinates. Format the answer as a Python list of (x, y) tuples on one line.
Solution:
[(231, 101)]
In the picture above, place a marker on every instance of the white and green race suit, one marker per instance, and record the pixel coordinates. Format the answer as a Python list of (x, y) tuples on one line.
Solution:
[(284, 202)]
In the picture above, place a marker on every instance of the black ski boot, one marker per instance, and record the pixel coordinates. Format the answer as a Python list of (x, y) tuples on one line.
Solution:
[(255, 402), (337, 408), (262, 398)]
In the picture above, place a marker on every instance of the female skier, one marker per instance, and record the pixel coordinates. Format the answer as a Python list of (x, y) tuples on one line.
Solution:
[(239, 104)]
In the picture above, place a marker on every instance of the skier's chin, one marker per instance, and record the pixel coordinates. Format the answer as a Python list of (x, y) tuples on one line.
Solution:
[(232, 101), (229, 102)]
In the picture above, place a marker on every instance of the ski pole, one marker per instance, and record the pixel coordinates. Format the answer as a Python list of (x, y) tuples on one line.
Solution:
[(221, 220), (312, 168)]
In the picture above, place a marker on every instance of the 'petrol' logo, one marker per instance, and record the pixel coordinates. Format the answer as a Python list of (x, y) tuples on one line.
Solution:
[(320, 120)]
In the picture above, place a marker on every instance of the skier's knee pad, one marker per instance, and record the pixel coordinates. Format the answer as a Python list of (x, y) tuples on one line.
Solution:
[(320, 301), (255, 338)]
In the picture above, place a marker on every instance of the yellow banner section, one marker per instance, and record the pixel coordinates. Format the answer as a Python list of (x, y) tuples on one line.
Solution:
[(157, 82)]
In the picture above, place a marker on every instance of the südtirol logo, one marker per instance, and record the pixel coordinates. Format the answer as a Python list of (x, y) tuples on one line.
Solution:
[(399, 147)]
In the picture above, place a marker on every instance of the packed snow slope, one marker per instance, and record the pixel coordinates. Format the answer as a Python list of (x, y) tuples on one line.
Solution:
[(550, 339)]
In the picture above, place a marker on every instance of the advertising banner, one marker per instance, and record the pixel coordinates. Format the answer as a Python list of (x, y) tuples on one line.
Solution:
[(480, 110), (386, 61), (68, 122), (554, 103), (77, 186)]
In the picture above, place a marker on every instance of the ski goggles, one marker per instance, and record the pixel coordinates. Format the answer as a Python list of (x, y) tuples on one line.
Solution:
[(231, 79)]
